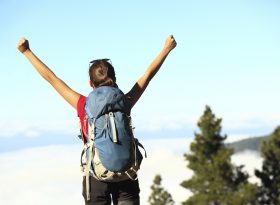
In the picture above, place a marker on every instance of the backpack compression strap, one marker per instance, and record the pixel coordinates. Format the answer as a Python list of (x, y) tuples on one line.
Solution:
[(91, 137), (113, 127)]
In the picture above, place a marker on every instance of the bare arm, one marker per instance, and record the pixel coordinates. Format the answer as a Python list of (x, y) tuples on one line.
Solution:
[(64, 90), (137, 90)]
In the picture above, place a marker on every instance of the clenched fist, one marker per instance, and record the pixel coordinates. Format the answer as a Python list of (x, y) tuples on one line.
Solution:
[(23, 45), (170, 43)]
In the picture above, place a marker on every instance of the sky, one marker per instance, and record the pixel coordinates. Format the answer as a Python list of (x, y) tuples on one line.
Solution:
[(227, 57)]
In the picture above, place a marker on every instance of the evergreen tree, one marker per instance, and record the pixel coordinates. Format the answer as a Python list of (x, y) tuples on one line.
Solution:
[(215, 181), (159, 195), (270, 175)]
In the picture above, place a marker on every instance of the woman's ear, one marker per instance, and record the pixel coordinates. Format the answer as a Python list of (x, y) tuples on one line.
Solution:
[(91, 84)]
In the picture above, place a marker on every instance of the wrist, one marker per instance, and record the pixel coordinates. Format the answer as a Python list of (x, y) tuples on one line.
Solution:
[(166, 50), (27, 51)]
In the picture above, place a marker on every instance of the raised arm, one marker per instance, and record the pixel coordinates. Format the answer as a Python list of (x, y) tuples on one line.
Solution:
[(137, 90), (64, 90)]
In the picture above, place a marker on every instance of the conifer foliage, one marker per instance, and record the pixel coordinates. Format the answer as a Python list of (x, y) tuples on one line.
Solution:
[(269, 193), (159, 195), (215, 180)]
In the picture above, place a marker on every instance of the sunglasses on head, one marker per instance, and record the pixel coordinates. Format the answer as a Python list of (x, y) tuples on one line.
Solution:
[(102, 59)]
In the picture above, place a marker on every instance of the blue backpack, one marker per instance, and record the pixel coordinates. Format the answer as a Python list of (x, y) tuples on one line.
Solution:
[(111, 152)]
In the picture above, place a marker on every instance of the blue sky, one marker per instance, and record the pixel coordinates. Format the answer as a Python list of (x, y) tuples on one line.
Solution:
[(227, 57)]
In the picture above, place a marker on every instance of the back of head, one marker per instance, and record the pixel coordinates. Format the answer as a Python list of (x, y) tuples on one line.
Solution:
[(102, 73)]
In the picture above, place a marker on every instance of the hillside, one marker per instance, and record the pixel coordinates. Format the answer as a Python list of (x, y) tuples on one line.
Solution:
[(253, 144)]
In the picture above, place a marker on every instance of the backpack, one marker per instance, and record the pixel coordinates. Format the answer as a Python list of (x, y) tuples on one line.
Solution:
[(111, 152)]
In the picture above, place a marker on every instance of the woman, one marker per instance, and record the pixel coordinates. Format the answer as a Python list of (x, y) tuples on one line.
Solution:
[(101, 73)]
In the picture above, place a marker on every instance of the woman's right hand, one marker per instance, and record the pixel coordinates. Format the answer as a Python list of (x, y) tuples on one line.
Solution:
[(23, 45), (170, 43)]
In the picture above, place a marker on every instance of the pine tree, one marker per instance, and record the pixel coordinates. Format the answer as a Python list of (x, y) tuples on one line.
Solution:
[(270, 175), (216, 181), (159, 195)]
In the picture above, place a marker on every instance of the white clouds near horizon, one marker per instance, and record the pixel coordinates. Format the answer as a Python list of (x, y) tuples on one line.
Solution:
[(257, 125), (52, 173)]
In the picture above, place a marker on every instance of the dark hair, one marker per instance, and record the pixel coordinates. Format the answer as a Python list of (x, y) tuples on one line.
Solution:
[(102, 73)]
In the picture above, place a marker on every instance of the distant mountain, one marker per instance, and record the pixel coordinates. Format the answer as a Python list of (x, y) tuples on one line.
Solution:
[(253, 144)]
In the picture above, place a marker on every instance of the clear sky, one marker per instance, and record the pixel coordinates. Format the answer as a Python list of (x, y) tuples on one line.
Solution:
[(227, 57)]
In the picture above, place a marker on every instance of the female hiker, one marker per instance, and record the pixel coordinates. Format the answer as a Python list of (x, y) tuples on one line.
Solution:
[(101, 73)]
